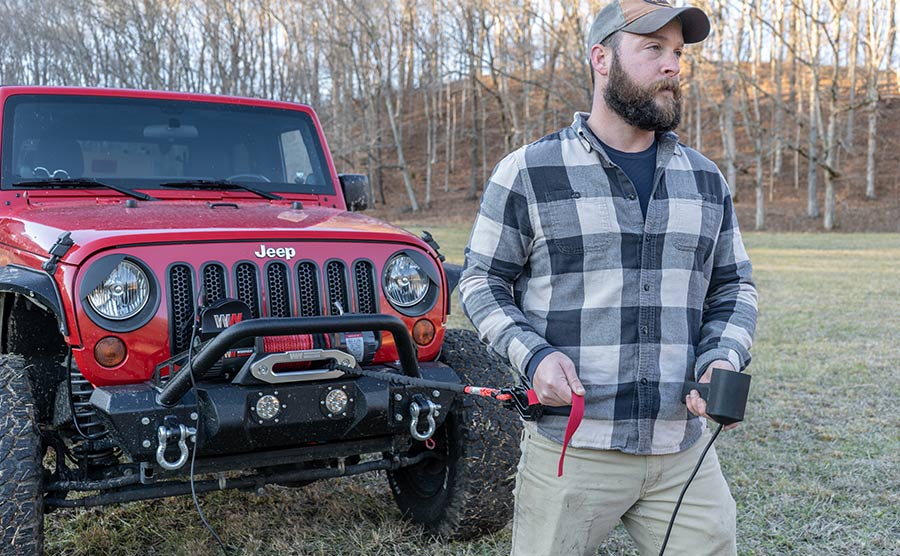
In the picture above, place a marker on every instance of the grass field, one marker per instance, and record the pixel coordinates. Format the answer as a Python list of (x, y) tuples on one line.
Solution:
[(815, 468)]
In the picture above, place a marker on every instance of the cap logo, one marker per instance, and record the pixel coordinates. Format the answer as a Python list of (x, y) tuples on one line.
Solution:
[(658, 2)]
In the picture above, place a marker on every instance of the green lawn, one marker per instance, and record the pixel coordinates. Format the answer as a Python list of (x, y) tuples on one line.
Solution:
[(815, 468)]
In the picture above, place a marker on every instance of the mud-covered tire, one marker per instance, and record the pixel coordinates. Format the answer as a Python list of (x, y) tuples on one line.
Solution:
[(469, 492), (21, 474), (33, 334)]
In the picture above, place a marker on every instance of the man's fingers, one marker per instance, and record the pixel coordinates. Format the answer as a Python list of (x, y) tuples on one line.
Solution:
[(559, 392), (696, 404), (563, 394), (555, 380), (552, 397), (552, 390), (572, 380)]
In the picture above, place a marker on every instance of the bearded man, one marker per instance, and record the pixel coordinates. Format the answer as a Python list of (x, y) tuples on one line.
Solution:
[(606, 262)]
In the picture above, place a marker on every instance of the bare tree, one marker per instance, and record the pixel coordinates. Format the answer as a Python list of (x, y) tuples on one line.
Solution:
[(879, 32)]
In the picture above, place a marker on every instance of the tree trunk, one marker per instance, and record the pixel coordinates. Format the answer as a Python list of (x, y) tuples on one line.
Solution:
[(870, 152), (429, 147), (760, 196), (729, 142), (851, 112), (812, 206), (401, 160), (448, 136)]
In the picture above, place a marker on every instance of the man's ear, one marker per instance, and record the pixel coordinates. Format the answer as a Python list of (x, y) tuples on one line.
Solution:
[(601, 58)]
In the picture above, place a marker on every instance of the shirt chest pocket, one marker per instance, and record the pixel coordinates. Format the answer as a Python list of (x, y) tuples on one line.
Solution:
[(576, 223), (694, 221)]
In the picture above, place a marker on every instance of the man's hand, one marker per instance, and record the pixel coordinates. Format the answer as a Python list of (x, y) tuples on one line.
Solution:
[(695, 403), (555, 380)]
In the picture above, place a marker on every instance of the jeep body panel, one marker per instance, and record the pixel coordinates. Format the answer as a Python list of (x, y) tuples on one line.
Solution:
[(231, 225), (181, 278)]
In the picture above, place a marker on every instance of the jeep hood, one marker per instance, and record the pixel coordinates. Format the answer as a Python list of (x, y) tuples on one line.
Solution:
[(95, 226)]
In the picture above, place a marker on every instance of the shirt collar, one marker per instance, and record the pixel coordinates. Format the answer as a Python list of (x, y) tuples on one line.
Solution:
[(668, 140)]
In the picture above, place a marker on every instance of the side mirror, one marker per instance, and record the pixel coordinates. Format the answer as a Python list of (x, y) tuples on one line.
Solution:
[(356, 191)]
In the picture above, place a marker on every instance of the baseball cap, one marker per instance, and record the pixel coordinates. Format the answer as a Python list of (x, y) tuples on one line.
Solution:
[(647, 16)]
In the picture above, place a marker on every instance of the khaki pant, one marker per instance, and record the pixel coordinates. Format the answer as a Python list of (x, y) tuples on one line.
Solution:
[(573, 514)]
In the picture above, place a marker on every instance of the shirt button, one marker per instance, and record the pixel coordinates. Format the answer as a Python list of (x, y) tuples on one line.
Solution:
[(644, 330), (646, 287), (632, 197), (576, 195), (644, 381)]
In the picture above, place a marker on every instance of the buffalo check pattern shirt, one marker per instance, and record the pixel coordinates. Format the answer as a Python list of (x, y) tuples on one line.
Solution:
[(560, 256)]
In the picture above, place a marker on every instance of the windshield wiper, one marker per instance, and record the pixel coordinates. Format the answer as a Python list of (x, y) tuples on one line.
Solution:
[(220, 184), (83, 182)]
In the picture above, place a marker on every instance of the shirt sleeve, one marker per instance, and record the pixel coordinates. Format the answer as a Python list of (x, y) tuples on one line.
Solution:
[(730, 309), (497, 252)]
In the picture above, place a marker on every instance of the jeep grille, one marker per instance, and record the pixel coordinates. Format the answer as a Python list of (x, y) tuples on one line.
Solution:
[(308, 289), (365, 287), (274, 297), (337, 287), (279, 291)]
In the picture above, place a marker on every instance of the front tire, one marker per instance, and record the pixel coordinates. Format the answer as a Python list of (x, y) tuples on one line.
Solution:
[(21, 473), (468, 491)]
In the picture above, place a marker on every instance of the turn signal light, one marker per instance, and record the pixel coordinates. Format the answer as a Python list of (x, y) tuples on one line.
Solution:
[(110, 351), (423, 332)]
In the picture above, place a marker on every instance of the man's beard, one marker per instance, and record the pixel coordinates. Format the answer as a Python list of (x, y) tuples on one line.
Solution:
[(637, 105)]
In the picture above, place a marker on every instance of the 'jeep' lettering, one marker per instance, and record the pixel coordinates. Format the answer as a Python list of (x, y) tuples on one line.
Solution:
[(264, 252)]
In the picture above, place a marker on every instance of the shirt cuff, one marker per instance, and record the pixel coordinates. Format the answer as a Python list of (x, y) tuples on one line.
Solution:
[(536, 359), (718, 354)]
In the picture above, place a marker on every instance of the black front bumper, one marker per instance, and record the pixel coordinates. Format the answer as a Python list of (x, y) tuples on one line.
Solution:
[(224, 413)]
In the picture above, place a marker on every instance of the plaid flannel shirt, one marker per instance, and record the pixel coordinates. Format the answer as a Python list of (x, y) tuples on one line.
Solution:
[(560, 255)]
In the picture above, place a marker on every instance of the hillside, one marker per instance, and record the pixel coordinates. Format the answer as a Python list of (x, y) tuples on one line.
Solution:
[(785, 207)]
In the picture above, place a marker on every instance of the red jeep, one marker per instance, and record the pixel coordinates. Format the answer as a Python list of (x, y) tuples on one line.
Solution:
[(188, 295)]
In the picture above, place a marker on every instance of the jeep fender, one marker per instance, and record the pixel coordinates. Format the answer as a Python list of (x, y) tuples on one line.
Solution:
[(36, 286), (454, 273)]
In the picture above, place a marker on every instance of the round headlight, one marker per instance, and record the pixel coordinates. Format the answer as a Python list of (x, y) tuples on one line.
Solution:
[(122, 294), (405, 283)]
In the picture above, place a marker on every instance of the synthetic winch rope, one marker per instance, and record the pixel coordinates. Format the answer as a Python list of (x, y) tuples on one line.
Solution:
[(499, 394)]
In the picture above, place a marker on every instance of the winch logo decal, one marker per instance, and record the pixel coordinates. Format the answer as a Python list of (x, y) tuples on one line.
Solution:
[(227, 319), (264, 252)]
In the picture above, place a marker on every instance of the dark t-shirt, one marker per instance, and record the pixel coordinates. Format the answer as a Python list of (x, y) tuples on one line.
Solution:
[(640, 169)]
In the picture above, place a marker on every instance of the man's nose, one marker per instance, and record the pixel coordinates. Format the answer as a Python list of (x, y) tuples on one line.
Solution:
[(671, 64)]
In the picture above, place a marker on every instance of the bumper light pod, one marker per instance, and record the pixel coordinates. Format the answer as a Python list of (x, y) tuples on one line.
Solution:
[(336, 402), (268, 407)]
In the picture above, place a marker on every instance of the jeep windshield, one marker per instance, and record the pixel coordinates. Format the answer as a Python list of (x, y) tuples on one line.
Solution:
[(145, 143)]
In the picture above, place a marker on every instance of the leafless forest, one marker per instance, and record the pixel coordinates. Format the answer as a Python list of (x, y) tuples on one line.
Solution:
[(425, 95)]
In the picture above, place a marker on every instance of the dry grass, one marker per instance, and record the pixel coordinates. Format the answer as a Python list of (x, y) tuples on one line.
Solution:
[(815, 468)]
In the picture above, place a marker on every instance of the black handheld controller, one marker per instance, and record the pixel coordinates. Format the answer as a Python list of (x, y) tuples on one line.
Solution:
[(519, 401), (725, 395)]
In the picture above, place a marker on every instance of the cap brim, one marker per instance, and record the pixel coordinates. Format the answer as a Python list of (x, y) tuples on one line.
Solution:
[(694, 23)]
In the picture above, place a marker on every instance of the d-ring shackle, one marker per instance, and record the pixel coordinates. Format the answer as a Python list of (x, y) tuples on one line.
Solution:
[(414, 410), (164, 434)]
